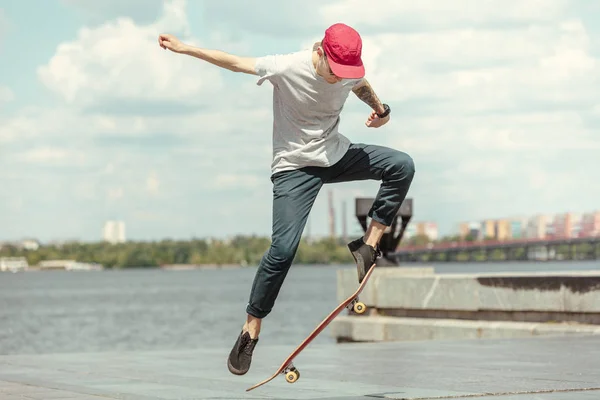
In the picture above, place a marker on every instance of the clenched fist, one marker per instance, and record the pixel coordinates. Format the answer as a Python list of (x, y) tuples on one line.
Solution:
[(168, 41), (375, 122)]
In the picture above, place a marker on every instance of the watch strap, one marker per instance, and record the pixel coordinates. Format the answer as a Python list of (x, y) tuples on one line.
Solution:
[(386, 111)]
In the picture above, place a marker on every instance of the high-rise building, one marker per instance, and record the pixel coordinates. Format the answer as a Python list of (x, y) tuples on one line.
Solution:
[(429, 229), (537, 227), (114, 232), (575, 225), (502, 229), (463, 230), (488, 229), (549, 229), (590, 224), (565, 225), (518, 228)]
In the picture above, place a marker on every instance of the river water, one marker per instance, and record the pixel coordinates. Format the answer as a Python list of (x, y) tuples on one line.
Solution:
[(154, 309)]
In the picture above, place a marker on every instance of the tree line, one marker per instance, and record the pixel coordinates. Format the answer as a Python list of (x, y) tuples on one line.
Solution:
[(240, 250)]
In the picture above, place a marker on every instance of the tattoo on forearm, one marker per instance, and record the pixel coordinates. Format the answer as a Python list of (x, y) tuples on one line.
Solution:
[(365, 93)]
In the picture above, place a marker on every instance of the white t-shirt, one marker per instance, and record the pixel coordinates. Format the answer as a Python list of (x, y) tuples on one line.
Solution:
[(306, 111)]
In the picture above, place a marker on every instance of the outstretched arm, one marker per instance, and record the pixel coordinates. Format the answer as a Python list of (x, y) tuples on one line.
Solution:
[(216, 57), (365, 92)]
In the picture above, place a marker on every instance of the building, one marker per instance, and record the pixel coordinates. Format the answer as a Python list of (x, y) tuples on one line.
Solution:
[(69, 265), (562, 226), (30, 244), (502, 229), (518, 228), (538, 227), (549, 230), (590, 224), (576, 225), (565, 225), (429, 229), (488, 229), (471, 229), (114, 232), (463, 230), (13, 264)]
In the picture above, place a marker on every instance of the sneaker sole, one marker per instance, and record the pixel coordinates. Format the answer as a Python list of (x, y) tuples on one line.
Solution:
[(234, 370)]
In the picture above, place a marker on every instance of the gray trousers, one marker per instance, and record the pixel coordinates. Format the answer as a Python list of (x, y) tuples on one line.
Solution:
[(294, 193)]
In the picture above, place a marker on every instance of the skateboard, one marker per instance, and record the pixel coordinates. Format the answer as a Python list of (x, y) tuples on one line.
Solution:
[(292, 374)]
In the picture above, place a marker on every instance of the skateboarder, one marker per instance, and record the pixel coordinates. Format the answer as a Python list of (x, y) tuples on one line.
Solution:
[(310, 88)]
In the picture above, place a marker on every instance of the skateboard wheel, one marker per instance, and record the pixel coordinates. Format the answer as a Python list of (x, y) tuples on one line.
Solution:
[(359, 308), (292, 376)]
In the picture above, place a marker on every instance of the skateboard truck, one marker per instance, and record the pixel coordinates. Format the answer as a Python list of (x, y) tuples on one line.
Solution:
[(291, 373), (357, 306)]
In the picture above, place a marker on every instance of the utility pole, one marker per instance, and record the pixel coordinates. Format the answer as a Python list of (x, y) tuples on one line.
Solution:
[(344, 227), (331, 216)]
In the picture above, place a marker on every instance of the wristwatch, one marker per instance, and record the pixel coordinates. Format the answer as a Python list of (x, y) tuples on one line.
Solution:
[(386, 111)]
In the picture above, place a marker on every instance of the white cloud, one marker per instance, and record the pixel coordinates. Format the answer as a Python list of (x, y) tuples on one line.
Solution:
[(120, 61), (485, 70)]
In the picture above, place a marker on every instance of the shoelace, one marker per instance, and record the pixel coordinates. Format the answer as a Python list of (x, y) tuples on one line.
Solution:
[(248, 347)]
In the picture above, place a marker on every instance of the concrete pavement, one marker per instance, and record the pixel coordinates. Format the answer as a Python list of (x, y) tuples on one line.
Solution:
[(541, 368)]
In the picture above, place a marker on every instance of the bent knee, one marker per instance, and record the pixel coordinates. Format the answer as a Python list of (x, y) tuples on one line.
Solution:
[(404, 165)]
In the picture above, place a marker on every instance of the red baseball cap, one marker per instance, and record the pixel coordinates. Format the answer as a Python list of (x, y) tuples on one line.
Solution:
[(343, 47)]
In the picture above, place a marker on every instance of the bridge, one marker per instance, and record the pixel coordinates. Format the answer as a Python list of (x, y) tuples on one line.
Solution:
[(577, 248), (529, 249)]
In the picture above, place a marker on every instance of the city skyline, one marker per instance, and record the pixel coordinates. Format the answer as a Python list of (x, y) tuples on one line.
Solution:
[(498, 108), (537, 226)]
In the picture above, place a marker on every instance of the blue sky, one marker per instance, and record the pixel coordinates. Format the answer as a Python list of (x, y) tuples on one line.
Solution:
[(496, 101)]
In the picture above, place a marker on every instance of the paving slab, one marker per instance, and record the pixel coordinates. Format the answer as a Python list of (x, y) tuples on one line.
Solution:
[(543, 368)]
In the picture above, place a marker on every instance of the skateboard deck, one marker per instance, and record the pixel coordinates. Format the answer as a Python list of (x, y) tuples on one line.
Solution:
[(287, 368)]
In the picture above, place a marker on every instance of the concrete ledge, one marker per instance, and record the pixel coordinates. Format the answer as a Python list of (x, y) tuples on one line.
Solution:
[(347, 281), (577, 292), (414, 304), (377, 329)]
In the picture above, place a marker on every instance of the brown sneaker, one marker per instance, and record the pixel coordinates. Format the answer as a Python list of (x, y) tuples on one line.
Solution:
[(241, 354)]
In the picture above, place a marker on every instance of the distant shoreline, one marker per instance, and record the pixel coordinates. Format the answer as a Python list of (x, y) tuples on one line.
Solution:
[(168, 267), (200, 266)]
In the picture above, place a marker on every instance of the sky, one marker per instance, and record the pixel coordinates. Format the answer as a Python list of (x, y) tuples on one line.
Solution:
[(497, 102)]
